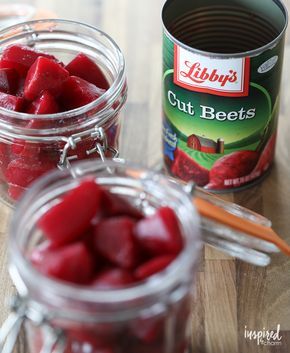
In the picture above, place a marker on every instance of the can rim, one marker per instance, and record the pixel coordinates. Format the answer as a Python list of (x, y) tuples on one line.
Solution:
[(249, 53)]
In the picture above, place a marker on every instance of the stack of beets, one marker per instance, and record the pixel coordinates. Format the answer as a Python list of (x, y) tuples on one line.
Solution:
[(34, 82), (109, 245)]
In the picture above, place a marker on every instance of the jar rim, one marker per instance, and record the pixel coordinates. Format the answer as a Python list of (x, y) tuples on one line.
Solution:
[(155, 285), (110, 94)]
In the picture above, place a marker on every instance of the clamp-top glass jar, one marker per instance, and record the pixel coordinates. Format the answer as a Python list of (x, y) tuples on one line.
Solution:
[(147, 317), (28, 150)]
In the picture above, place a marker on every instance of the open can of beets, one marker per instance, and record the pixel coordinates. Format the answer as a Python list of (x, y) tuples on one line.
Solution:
[(222, 68), (32, 144), (150, 316)]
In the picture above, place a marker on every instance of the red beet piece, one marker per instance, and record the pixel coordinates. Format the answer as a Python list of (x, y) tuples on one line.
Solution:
[(112, 279), (22, 172), (10, 102), (160, 234), (232, 166), (72, 263), (187, 169), (114, 239), (4, 160), (152, 267), (15, 192), (87, 69), (45, 104), (114, 205), (148, 330), (77, 92), (21, 58), (267, 156), (8, 81), (70, 218), (44, 75)]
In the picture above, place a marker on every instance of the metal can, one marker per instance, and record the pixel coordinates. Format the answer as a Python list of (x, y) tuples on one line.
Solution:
[(222, 66)]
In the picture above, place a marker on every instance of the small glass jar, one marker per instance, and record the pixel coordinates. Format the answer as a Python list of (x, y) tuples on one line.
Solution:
[(30, 145), (149, 317)]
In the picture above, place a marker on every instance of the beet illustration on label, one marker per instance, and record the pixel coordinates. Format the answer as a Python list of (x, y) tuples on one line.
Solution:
[(220, 100)]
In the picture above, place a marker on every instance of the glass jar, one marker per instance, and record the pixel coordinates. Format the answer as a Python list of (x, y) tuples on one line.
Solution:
[(30, 145), (149, 317)]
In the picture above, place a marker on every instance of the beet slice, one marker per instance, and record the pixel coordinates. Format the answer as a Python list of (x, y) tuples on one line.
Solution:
[(85, 68), (152, 267), (113, 279), (70, 218), (21, 172), (21, 58), (114, 205), (160, 234), (148, 330), (9, 79), (72, 263), (114, 239), (187, 169), (44, 75), (45, 104), (77, 92), (10, 102), (232, 167)]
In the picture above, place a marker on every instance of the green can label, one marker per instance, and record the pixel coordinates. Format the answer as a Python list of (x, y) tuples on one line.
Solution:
[(220, 115)]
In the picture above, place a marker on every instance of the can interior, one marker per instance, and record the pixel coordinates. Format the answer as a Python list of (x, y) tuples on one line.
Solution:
[(224, 26)]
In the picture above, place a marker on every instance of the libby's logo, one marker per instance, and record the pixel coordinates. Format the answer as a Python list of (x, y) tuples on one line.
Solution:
[(222, 77)]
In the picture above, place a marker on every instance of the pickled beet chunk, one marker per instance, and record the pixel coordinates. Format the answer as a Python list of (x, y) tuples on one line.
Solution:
[(21, 58), (77, 92), (15, 192), (160, 233), (113, 279), (10, 102), (21, 172), (85, 68), (9, 79), (114, 239), (4, 160), (152, 267), (68, 220), (114, 205), (44, 75), (72, 263), (45, 104), (148, 330)]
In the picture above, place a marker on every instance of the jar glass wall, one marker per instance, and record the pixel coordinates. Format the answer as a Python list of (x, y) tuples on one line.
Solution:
[(31, 145), (152, 316)]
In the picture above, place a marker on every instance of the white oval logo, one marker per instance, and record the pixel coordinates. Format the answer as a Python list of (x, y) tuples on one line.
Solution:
[(268, 65)]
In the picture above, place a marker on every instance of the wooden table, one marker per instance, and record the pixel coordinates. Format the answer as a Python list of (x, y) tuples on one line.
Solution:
[(230, 294)]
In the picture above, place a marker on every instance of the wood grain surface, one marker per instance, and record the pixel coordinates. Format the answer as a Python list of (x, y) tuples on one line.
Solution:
[(229, 294)]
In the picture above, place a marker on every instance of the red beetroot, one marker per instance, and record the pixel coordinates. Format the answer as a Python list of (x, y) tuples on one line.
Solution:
[(68, 221), (148, 330), (85, 68), (160, 234), (267, 155), (8, 81), (10, 102), (45, 104), (21, 58), (77, 92), (44, 75), (187, 169), (114, 205), (113, 279), (230, 167), (114, 239), (152, 267), (72, 263), (15, 192), (4, 160), (22, 172)]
